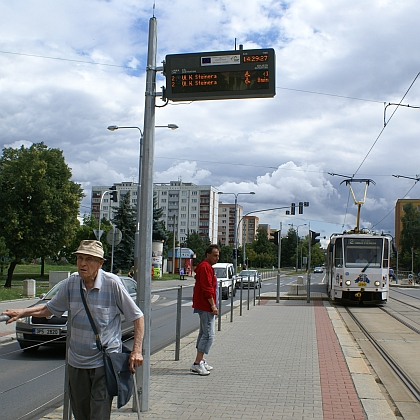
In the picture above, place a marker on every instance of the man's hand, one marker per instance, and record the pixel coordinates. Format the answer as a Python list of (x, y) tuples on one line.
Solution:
[(14, 314), (135, 360)]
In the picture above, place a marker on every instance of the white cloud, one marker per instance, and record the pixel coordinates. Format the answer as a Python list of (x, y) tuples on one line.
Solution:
[(281, 148)]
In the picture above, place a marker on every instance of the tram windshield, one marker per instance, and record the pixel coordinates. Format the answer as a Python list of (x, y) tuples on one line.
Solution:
[(360, 252)]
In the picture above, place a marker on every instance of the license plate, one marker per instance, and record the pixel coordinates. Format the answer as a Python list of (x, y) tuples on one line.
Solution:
[(362, 284), (46, 331)]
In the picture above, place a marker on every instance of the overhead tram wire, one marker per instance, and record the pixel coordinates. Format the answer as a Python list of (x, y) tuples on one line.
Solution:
[(386, 125), (405, 195)]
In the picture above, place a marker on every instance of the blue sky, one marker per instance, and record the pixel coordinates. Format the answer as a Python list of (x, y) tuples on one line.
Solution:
[(337, 64)]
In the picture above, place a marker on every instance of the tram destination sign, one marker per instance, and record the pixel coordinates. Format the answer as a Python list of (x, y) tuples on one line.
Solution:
[(220, 75)]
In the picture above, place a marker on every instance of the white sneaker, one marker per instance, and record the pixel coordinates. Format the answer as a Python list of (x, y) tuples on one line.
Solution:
[(200, 369), (207, 366)]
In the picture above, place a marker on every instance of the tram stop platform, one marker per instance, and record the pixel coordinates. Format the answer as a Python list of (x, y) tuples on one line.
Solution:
[(285, 360)]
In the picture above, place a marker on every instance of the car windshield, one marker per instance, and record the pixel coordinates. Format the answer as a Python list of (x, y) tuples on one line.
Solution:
[(220, 273), (248, 273)]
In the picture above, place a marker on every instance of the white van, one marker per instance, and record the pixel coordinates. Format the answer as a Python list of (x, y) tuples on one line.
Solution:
[(225, 273)]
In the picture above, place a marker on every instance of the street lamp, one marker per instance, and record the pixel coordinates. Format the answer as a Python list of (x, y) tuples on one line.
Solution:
[(144, 288), (297, 243), (235, 237)]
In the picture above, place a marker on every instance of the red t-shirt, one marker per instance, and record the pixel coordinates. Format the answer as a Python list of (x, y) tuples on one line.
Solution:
[(205, 286)]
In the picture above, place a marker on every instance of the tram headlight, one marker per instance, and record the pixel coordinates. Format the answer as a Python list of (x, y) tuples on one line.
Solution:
[(377, 283), (348, 283)]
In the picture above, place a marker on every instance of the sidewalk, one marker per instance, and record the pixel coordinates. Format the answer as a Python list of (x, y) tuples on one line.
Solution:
[(286, 360)]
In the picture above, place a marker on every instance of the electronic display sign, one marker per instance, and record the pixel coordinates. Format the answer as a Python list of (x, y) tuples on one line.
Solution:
[(220, 75)]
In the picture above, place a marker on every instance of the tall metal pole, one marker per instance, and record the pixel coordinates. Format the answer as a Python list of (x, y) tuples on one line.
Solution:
[(235, 238), (144, 274)]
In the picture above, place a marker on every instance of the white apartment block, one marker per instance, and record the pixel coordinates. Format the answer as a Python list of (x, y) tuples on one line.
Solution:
[(226, 235), (188, 207)]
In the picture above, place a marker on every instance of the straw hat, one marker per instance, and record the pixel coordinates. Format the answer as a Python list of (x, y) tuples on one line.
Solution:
[(90, 247)]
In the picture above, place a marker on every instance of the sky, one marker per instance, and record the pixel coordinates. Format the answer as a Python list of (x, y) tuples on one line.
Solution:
[(71, 68)]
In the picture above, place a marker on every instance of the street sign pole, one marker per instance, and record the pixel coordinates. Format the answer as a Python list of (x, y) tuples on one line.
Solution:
[(144, 239)]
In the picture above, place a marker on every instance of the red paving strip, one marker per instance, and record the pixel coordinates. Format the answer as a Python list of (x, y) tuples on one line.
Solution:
[(339, 397)]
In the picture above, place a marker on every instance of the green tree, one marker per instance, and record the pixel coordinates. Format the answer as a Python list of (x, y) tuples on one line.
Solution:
[(266, 251), (159, 230), (288, 249), (40, 203), (198, 244), (226, 253), (410, 237), (125, 221), (4, 255)]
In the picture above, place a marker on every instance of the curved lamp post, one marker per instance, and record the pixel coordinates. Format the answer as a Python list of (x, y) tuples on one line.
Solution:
[(235, 237), (144, 289)]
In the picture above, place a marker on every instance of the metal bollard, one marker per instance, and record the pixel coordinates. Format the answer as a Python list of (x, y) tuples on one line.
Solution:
[(219, 323), (231, 300), (240, 298), (178, 323)]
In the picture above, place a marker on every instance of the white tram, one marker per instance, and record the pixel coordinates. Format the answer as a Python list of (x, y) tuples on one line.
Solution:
[(358, 267)]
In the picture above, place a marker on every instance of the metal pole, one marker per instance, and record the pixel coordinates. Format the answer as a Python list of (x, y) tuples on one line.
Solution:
[(144, 252), (173, 249), (308, 278), (279, 266), (178, 323), (235, 237), (219, 316), (231, 299)]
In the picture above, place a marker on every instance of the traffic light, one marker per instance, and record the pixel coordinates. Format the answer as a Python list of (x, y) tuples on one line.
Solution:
[(314, 239), (293, 209), (114, 196), (276, 237), (234, 254), (300, 207)]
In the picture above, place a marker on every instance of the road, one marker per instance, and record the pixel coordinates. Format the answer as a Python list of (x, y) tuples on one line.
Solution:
[(31, 384)]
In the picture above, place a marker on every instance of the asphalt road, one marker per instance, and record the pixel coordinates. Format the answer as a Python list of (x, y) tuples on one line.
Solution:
[(31, 384)]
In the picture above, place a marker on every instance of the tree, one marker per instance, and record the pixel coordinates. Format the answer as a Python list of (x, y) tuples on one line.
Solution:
[(125, 221), (410, 235), (198, 244), (266, 251), (40, 203), (159, 230)]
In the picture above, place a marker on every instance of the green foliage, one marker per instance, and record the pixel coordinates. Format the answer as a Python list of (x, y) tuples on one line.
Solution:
[(265, 252), (198, 244), (4, 255), (40, 204), (159, 231), (226, 253), (125, 221), (410, 238)]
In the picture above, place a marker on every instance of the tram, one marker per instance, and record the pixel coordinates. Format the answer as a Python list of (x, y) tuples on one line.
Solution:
[(358, 262), (358, 267)]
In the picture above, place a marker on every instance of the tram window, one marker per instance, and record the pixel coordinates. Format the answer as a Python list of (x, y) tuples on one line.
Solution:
[(386, 254), (338, 258), (361, 253)]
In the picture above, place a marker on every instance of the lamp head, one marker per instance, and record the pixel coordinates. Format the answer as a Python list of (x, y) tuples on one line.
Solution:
[(112, 128)]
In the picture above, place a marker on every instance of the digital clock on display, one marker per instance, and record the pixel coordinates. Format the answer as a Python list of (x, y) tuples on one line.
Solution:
[(220, 75)]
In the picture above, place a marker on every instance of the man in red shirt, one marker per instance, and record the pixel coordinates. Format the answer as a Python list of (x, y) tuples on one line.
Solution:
[(205, 304)]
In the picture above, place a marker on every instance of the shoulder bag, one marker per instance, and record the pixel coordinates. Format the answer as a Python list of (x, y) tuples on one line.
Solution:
[(119, 378)]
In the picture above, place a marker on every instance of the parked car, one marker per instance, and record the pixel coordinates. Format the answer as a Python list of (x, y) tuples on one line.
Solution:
[(225, 273), (318, 270), (32, 332), (249, 278)]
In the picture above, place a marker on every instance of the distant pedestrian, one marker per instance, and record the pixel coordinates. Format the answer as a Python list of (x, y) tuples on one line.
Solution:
[(131, 272), (205, 304)]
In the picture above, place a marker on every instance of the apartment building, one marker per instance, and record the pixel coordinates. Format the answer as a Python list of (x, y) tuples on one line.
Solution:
[(250, 226), (226, 233), (188, 208), (102, 205), (399, 212)]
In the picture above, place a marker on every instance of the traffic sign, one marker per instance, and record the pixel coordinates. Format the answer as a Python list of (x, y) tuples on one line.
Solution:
[(114, 235), (220, 75)]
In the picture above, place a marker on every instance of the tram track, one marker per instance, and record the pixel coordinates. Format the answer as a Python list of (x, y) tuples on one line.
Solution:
[(389, 338), (405, 378)]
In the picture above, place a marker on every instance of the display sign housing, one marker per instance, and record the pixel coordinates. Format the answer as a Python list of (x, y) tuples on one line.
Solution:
[(220, 75)]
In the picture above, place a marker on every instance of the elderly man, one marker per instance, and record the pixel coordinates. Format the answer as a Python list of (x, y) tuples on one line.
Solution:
[(107, 299)]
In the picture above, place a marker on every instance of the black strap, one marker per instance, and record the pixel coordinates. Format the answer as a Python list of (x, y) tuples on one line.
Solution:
[(92, 323)]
